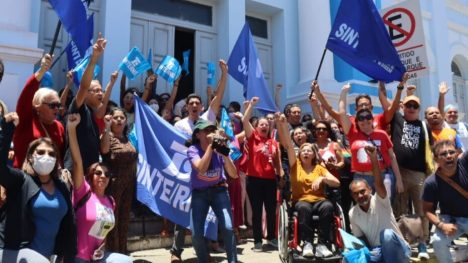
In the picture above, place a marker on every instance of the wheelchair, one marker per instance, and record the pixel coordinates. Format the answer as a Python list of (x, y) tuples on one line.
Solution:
[(288, 227)]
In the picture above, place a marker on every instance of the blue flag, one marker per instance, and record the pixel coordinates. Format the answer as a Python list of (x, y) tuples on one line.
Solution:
[(360, 38), (226, 124), (134, 64), (185, 65), (72, 14), (169, 69), (74, 56), (211, 73), (244, 66), (163, 170), (78, 71)]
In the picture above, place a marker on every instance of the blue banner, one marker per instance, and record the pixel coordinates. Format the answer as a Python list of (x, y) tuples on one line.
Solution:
[(78, 71), (163, 171), (74, 56), (185, 65), (72, 14), (360, 38), (134, 64), (169, 69), (244, 66), (211, 73)]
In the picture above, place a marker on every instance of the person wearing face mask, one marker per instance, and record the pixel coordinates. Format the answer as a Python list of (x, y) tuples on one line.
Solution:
[(38, 109), (39, 215), (121, 156), (154, 105), (263, 166), (94, 207)]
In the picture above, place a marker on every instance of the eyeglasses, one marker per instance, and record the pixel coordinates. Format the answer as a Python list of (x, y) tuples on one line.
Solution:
[(48, 152), (100, 172), (412, 106), (95, 90), (364, 117), (321, 129), (447, 153), (53, 105)]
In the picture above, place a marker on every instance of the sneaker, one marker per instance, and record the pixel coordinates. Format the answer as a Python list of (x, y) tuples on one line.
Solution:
[(273, 243), (308, 250), (175, 259), (422, 251), (258, 247), (243, 227), (322, 251)]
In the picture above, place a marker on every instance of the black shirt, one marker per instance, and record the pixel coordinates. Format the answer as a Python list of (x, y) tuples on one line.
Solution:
[(450, 201), (408, 140)]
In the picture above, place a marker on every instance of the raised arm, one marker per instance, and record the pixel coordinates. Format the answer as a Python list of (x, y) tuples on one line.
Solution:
[(371, 150), (248, 128), (216, 102), (101, 111), (316, 111), (149, 87), (344, 119), (284, 137), (78, 172), (278, 88), (7, 128), (98, 49), (105, 137), (170, 102), (324, 102), (443, 89), (389, 110), (66, 91)]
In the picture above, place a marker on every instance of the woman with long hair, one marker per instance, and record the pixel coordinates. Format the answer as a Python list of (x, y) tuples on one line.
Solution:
[(308, 182), (118, 152), (93, 206), (39, 214)]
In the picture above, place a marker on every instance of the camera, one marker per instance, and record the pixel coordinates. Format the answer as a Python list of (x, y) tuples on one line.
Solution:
[(219, 144)]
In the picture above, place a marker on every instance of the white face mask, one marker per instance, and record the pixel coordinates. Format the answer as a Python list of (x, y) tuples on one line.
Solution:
[(155, 107), (43, 164)]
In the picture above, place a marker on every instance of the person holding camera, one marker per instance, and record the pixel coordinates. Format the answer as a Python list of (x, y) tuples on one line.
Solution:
[(209, 157)]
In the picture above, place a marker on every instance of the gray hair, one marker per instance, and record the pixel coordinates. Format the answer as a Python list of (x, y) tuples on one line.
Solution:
[(41, 94), (450, 106), (359, 180)]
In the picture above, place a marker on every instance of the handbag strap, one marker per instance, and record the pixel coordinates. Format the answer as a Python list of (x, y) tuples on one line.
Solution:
[(453, 184)]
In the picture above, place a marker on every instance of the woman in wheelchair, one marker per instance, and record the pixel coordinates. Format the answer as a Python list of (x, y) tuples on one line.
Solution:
[(308, 181)]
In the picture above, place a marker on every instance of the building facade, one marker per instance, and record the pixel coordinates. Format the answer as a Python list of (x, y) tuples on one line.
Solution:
[(290, 37)]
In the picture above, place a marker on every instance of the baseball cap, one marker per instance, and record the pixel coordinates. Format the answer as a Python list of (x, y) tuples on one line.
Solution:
[(411, 98), (202, 124)]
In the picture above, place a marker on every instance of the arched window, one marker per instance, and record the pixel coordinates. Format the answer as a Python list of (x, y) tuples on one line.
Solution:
[(456, 70)]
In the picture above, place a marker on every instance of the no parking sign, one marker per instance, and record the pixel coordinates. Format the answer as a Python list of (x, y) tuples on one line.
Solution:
[(404, 25)]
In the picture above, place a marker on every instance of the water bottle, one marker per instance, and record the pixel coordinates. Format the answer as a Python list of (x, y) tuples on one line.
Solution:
[(388, 184)]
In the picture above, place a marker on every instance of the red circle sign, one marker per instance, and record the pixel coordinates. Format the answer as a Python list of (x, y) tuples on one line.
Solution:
[(406, 34)]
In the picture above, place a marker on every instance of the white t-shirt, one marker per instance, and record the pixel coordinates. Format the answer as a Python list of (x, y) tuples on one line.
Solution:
[(371, 223), (186, 126), (461, 129)]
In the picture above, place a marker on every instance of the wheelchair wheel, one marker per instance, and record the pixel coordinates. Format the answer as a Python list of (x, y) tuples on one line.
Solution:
[(340, 222), (283, 233)]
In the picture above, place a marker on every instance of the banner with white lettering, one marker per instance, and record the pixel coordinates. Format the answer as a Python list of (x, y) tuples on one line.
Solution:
[(169, 69), (405, 27), (163, 170), (359, 37), (134, 64)]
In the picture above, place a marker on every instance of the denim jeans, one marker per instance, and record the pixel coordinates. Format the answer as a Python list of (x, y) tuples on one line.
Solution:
[(218, 199), (109, 257), (393, 248), (441, 242)]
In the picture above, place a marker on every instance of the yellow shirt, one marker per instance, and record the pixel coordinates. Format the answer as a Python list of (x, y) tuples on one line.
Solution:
[(444, 134), (301, 183)]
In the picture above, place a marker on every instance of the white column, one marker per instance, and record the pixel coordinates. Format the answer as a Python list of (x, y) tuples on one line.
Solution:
[(116, 18), (18, 47)]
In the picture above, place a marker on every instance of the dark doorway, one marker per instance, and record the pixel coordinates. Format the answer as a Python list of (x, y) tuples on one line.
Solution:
[(184, 40)]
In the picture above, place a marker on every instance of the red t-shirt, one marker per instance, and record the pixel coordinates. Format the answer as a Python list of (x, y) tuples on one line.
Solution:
[(378, 123), (360, 161), (262, 155), (29, 127)]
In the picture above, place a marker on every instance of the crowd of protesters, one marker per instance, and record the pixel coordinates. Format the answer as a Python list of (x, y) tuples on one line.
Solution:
[(68, 170)]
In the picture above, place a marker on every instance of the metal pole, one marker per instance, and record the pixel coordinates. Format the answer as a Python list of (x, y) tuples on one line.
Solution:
[(318, 71)]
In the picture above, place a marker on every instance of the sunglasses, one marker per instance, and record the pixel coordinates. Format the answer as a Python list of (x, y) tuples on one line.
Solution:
[(53, 105), (447, 153), (321, 129), (100, 172), (364, 117), (412, 106)]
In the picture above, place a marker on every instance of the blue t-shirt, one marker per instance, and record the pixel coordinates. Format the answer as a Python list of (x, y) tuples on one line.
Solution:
[(213, 175), (450, 201), (48, 211)]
